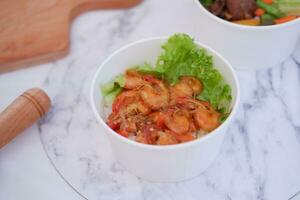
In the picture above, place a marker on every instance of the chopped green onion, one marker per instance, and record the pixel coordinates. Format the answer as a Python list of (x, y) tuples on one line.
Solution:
[(271, 9)]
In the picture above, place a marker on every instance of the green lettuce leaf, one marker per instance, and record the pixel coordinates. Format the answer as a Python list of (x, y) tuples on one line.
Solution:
[(147, 68), (182, 57), (111, 89), (110, 97)]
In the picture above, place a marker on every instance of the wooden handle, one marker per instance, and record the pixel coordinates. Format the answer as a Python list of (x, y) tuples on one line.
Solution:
[(22, 113)]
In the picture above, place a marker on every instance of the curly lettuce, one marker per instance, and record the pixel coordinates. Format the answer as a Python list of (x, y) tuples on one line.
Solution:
[(182, 57)]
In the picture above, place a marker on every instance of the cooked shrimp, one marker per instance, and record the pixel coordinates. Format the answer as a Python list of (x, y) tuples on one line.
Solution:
[(133, 80), (113, 121), (158, 118), (182, 137), (148, 134), (135, 108), (155, 94), (180, 89), (165, 139), (177, 121), (186, 87), (126, 106), (206, 119), (193, 82), (192, 104), (128, 125), (205, 116), (192, 127), (125, 98), (152, 112)]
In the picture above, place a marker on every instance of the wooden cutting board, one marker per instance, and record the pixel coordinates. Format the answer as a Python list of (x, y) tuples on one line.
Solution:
[(34, 31)]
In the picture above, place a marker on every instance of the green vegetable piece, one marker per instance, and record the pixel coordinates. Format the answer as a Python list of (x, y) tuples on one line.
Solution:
[(267, 19), (207, 3), (109, 98), (112, 89), (120, 80), (107, 88), (223, 117), (270, 9), (148, 69), (289, 7)]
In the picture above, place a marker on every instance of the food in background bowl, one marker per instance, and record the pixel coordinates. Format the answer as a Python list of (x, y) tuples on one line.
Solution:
[(182, 98), (247, 47), (254, 13)]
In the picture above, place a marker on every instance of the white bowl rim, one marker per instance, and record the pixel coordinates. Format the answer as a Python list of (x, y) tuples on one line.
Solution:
[(164, 147), (245, 27)]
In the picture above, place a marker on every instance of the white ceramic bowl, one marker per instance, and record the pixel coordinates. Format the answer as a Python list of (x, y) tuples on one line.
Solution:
[(160, 163), (248, 47)]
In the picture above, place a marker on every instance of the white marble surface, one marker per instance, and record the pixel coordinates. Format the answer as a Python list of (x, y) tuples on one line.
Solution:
[(260, 157)]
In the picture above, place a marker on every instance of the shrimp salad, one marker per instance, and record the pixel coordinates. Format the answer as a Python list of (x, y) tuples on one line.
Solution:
[(182, 98)]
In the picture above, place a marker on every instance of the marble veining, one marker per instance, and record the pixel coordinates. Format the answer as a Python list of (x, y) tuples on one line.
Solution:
[(260, 157)]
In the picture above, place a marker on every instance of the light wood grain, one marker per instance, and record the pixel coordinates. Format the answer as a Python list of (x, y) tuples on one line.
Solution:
[(34, 32), (22, 113)]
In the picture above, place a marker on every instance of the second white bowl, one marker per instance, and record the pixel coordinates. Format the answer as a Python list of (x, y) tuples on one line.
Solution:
[(248, 47)]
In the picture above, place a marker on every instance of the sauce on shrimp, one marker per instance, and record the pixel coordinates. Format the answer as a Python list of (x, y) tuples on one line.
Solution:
[(150, 111)]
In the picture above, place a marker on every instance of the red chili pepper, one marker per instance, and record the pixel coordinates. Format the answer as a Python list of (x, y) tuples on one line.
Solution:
[(118, 103), (123, 133), (268, 1), (285, 19), (259, 12), (182, 137), (160, 122), (185, 137), (113, 125), (147, 133), (181, 100), (150, 78)]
